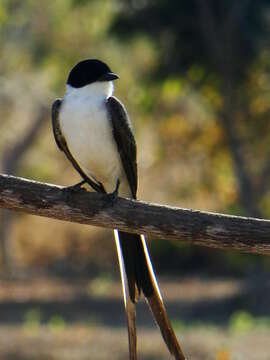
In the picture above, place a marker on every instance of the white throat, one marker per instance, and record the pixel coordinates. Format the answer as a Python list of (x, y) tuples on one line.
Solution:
[(87, 129), (97, 90)]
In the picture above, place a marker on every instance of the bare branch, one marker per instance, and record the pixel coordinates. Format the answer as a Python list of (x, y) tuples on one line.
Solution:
[(13, 156), (237, 13), (264, 180), (10, 163), (220, 51), (210, 32), (163, 222), (247, 194)]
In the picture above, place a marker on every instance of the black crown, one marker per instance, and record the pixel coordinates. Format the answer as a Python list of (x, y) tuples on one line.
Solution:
[(89, 71)]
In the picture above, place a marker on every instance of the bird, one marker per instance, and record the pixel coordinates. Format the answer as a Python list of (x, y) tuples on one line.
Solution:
[(94, 131)]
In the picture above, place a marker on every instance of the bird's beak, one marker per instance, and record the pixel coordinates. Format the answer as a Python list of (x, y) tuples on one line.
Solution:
[(109, 76)]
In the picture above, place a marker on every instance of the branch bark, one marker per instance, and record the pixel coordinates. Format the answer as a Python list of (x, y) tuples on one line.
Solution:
[(163, 222)]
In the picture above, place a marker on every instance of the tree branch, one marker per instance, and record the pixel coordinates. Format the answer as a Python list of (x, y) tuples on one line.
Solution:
[(210, 32), (163, 222), (13, 155), (220, 39), (247, 195)]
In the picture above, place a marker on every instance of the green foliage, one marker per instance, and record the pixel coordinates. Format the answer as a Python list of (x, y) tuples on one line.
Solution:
[(178, 325), (100, 286), (56, 323), (52, 35), (177, 29), (243, 322), (32, 319), (240, 322)]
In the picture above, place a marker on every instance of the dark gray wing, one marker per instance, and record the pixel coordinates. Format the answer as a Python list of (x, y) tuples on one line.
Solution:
[(59, 139), (125, 141), (61, 142)]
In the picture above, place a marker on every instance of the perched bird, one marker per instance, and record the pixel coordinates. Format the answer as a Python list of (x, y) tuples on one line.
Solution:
[(94, 131)]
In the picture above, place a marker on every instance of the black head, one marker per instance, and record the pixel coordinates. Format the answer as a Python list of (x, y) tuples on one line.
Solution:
[(89, 71)]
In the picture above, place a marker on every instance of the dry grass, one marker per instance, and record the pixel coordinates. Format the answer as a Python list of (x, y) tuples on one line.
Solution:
[(102, 343), (52, 319)]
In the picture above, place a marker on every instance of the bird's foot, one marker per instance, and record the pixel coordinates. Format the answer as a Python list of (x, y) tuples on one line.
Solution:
[(112, 197), (75, 188)]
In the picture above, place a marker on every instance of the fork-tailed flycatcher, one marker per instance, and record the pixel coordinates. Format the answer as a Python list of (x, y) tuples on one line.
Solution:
[(94, 131)]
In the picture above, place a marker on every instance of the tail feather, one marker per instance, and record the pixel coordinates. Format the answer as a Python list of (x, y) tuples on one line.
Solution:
[(128, 300), (157, 307), (140, 277)]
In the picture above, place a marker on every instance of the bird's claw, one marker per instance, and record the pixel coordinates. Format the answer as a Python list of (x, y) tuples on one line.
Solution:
[(75, 188), (112, 197)]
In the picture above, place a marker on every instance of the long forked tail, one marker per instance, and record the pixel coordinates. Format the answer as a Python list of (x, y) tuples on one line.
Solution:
[(138, 276), (129, 303)]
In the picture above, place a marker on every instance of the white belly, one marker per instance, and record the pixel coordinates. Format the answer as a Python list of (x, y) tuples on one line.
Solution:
[(86, 128)]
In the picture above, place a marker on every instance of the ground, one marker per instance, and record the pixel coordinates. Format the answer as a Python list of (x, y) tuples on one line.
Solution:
[(67, 319)]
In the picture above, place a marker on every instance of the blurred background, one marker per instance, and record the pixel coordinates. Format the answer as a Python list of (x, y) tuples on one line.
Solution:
[(195, 77)]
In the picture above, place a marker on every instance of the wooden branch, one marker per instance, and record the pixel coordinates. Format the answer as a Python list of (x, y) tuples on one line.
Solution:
[(163, 222)]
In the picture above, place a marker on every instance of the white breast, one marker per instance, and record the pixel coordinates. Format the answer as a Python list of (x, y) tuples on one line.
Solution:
[(86, 127)]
